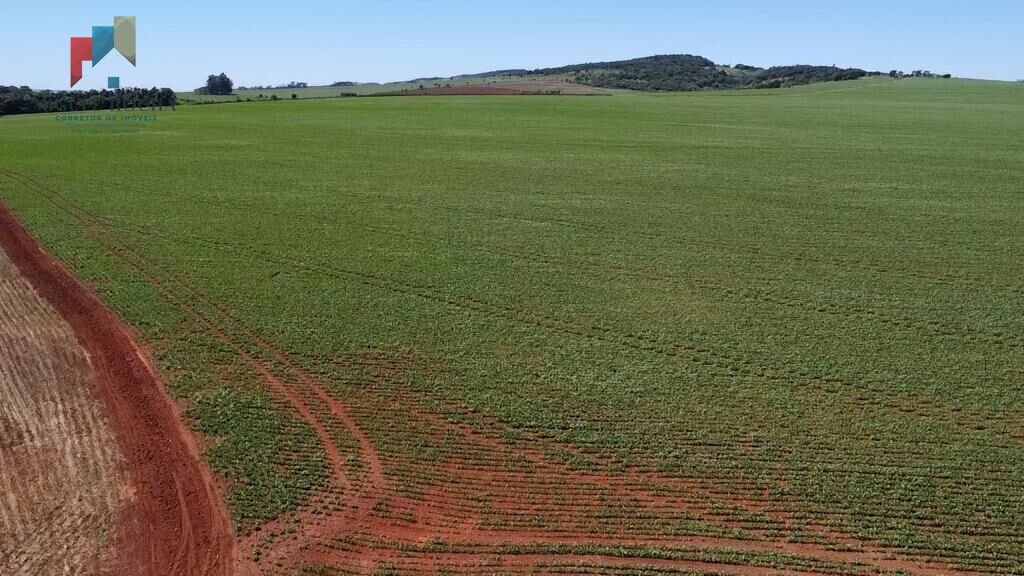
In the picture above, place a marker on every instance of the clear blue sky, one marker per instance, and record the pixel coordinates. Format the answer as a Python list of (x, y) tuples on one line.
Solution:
[(320, 41)]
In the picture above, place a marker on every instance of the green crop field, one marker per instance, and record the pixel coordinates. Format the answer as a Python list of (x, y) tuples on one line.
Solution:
[(678, 332)]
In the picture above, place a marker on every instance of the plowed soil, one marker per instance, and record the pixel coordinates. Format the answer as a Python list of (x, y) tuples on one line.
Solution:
[(98, 474), (61, 471)]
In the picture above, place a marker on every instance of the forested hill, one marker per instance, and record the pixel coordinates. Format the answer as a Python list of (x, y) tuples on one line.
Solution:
[(682, 72)]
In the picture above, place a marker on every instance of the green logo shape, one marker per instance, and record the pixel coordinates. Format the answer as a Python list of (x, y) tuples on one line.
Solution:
[(124, 37)]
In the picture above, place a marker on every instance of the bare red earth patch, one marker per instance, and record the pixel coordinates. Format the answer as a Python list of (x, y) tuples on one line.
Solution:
[(177, 524), (463, 91)]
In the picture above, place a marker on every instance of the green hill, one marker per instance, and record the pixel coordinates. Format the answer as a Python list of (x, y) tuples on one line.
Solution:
[(684, 72)]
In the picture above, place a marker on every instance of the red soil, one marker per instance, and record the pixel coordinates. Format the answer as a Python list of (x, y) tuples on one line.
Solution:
[(177, 524)]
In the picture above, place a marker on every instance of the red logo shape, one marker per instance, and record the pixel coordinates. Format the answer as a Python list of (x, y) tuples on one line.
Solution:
[(81, 50)]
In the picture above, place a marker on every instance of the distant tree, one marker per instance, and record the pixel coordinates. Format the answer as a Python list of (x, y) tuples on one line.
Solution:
[(273, 96), (295, 96), (894, 73), (219, 85)]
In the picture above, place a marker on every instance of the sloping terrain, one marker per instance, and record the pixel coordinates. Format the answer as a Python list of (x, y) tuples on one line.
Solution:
[(664, 73), (475, 495), (748, 332)]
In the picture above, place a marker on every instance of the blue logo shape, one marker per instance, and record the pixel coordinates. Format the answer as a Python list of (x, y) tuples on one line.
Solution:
[(113, 82), (102, 42)]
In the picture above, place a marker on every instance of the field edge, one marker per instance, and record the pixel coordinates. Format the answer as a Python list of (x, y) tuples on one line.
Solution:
[(178, 523)]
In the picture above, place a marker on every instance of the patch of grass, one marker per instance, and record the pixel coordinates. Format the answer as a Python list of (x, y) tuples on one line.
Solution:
[(263, 452)]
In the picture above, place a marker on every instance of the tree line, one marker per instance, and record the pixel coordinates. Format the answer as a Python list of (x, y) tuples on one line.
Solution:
[(222, 85), (917, 74), (277, 87), (686, 72), (23, 100)]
